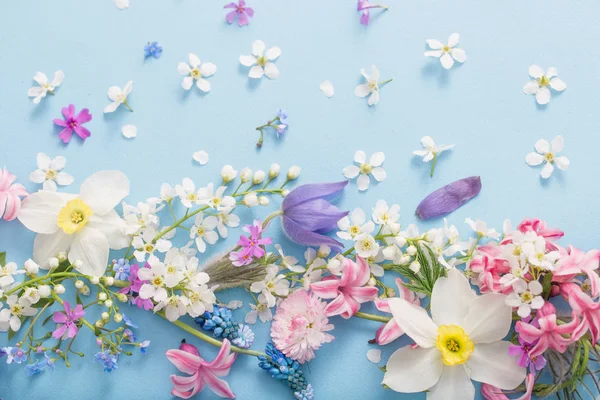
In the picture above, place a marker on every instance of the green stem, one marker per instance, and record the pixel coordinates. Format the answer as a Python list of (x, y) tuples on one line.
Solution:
[(127, 105), (372, 317), (270, 217), (384, 82), (262, 137), (42, 278), (433, 165), (35, 320)]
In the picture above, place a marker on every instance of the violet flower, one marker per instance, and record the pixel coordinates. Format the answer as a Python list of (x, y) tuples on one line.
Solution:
[(251, 245), (447, 199), (307, 214), (73, 123), (67, 321), (240, 11), (134, 288), (365, 7), (525, 360)]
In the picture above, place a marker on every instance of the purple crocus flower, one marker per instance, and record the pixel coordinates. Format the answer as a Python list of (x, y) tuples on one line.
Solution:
[(73, 123), (447, 199), (365, 6), (67, 321), (240, 11), (252, 246), (522, 351), (308, 213)]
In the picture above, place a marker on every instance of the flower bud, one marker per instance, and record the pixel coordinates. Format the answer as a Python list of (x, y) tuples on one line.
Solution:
[(62, 256), (390, 292), (109, 280), (259, 177), (79, 284), (415, 267), (285, 192), (246, 175), (78, 264), (293, 172), (274, 170), (400, 241), (371, 282), (117, 318), (263, 201), (94, 280), (108, 303), (53, 262), (411, 250), (44, 291), (99, 341), (122, 297), (404, 260), (31, 267), (105, 316), (99, 324), (228, 173), (102, 296), (250, 200), (85, 290)]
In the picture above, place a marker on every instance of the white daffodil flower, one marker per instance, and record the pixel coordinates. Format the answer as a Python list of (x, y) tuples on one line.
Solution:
[(196, 71), (261, 61), (49, 172), (118, 96), (547, 152), (431, 151), (371, 86), (541, 83), (86, 226), (447, 53), (460, 342), (45, 87), (364, 168)]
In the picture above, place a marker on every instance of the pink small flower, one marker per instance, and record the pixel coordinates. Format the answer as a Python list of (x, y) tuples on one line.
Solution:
[(538, 226), (187, 360), (134, 288), (391, 331), (252, 246), (490, 266), (73, 123), (584, 306), (365, 6), (67, 327), (10, 195), (240, 11), (490, 392), (549, 334), (299, 326), (349, 291)]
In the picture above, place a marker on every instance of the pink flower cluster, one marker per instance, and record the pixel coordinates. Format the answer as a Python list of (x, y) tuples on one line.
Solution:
[(10, 195)]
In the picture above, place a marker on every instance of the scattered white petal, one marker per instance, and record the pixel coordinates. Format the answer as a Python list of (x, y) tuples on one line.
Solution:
[(201, 157), (374, 355), (122, 4), (327, 88), (129, 131)]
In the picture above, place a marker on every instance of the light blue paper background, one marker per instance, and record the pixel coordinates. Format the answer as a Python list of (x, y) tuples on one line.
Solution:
[(477, 106)]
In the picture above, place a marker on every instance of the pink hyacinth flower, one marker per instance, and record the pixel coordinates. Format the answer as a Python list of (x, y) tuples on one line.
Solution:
[(73, 123), (349, 291), (490, 392), (491, 266), (391, 331), (538, 226), (577, 262), (187, 360), (66, 321), (584, 306), (10, 195), (549, 334), (240, 11)]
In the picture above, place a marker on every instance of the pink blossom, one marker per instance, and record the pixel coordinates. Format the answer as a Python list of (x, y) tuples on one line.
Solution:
[(539, 227), (67, 321), (365, 7), (490, 266), (299, 326), (584, 306), (549, 334), (490, 392), (349, 291), (252, 246), (73, 123), (577, 262), (10, 195), (240, 11), (134, 288), (187, 360), (391, 331)]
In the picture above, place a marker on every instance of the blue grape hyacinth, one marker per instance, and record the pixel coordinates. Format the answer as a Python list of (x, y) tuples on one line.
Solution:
[(286, 369)]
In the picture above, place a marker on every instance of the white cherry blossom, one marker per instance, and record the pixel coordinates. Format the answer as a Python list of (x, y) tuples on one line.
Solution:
[(118, 96), (196, 71), (371, 86), (261, 61), (547, 154), (50, 173), (355, 225), (542, 82), (45, 87), (364, 169), (447, 53)]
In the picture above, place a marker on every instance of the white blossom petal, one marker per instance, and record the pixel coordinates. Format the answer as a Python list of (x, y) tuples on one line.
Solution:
[(377, 159), (434, 53), (543, 95), (247, 61), (447, 61), (374, 355), (194, 60), (542, 146), (201, 157), (459, 55), (187, 83), (562, 162), (488, 319), (379, 174), (453, 40), (258, 48), (434, 44), (415, 322), (183, 68), (273, 53), (362, 90), (271, 70), (534, 159), (456, 287), (557, 144), (547, 170), (122, 4), (203, 85), (91, 247), (363, 182), (535, 71), (351, 171), (374, 98), (558, 85), (531, 87), (208, 69), (491, 364), (256, 72), (454, 384), (413, 370), (327, 88), (129, 131)]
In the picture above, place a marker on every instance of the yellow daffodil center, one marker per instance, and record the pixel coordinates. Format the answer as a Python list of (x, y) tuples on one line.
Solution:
[(74, 216), (454, 344), (549, 157), (446, 49), (50, 175), (366, 168), (261, 61), (544, 81), (195, 73)]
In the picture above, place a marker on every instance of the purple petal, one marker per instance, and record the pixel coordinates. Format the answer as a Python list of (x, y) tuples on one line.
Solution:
[(68, 112), (316, 215), (249, 11), (65, 135), (82, 132), (230, 5), (59, 331), (60, 122), (365, 18), (230, 17), (447, 199), (243, 19), (84, 116), (304, 193), (307, 238)]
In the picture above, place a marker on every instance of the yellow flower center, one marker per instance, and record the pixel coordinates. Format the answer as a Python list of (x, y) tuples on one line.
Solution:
[(261, 61), (148, 248), (271, 286), (366, 244), (195, 73), (549, 157), (454, 344), (544, 81), (157, 281), (354, 230), (446, 49), (200, 231), (74, 216), (366, 168), (50, 175), (526, 297), (171, 269), (15, 310)]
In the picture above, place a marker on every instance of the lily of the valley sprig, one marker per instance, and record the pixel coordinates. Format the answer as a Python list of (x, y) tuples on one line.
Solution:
[(431, 151), (371, 86), (279, 123)]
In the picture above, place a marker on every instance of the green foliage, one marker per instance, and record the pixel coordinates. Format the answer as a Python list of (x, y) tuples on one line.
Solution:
[(431, 269), (2, 258)]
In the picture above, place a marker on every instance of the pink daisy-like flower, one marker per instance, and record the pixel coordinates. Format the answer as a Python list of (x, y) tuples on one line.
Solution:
[(73, 123), (241, 12), (10, 195), (300, 325)]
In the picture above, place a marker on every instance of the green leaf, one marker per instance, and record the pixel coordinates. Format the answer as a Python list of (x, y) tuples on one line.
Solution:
[(547, 285), (2, 258), (42, 302)]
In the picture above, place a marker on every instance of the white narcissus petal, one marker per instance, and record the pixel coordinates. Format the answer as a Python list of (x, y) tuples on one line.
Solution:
[(201, 157), (362, 90), (194, 60), (379, 174), (453, 39), (43, 161), (91, 247), (434, 44), (351, 171), (377, 159), (543, 95), (49, 185), (488, 319), (562, 162), (113, 226), (203, 85), (363, 182), (374, 355), (535, 71), (256, 72), (258, 48), (428, 157), (247, 61), (542, 146), (427, 142), (557, 144), (414, 321), (37, 176), (187, 83), (447, 61), (58, 163), (421, 153), (48, 246), (531, 87), (454, 384), (547, 170), (183, 68), (327, 88), (122, 4), (433, 53), (271, 70), (129, 131), (373, 98), (534, 159), (208, 69), (360, 157), (39, 212), (413, 370), (459, 55), (491, 363), (451, 299), (273, 53), (558, 85), (104, 190)]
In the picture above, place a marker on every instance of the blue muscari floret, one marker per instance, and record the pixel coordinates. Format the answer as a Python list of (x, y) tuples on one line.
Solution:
[(286, 369), (221, 322), (245, 337)]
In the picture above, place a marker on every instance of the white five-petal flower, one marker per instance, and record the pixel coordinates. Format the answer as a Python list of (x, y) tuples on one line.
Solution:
[(203, 231), (45, 87), (541, 83), (364, 168), (447, 53), (526, 296), (371, 86), (354, 225), (196, 71), (261, 61), (49, 172), (431, 151), (546, 152), (118, 96)]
